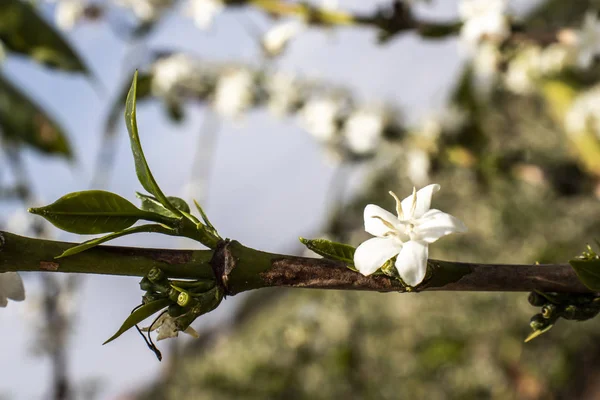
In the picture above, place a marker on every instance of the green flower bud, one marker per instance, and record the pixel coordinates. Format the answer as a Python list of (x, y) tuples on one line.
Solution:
[(536, 300), (156, 275), (538, 322), (146, 285), (183, 299), (173, 294), (549, 310), (175, 310), (570, 312)]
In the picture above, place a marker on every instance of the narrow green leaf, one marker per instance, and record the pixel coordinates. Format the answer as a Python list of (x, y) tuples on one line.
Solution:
[(154, 228), (92, 212), (141, 166), (22, 120), (24, 31), (588, 272), (537, 333), (139, 315), (331, 250), (205, 218)]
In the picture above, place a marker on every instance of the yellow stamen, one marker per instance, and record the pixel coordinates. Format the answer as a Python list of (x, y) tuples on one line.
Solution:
[(399, 211), (386, 223), (414, 202)]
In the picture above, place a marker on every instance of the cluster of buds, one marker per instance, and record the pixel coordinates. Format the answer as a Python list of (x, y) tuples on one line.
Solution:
[(188, 300), (569, 306)]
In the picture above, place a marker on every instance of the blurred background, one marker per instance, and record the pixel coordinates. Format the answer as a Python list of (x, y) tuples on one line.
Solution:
[(284, 119)]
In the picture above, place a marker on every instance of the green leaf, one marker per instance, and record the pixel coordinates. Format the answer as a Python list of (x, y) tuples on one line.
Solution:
[(22, 120), (588, 272), (151, 203), (141, 166), (139, 315), (154, 228), (93, 212), (23, 31), (331, 250)]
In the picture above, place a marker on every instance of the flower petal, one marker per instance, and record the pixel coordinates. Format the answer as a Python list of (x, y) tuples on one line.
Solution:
[(423, 202), (434, 224), (412, 262), (373, 220), (11, 286), (373, 253)]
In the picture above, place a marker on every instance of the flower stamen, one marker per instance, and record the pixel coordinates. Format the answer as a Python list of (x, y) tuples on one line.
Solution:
[(399, 211)]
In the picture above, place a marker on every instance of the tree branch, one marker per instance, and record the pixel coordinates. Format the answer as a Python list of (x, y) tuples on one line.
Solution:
[(238, 268)]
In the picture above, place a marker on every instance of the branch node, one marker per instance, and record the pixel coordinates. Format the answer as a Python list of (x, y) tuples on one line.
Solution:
[(223, 263)]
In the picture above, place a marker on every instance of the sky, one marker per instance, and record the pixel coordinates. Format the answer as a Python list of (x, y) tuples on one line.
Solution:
[(268, 184)]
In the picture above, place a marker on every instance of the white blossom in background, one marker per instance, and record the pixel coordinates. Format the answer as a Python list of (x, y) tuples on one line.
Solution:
[(555, 58), (483, 19), (283, 91), (587, 40), (485, 62), (406, 235), (11, 287), (146, 10), (523, 71), (203, 12), (276, 39), (449, 120), (363, 130), (319, 117), (418, 165), (584, 113), (165, 324), (170, 72), (234, 92), (68, 13)]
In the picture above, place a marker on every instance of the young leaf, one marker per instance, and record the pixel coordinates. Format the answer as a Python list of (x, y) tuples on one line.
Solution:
[(139, 315), (154, 228), (92, 212), (141, 166), (205, 218), (150, 203), (588, 272), (331, 250)]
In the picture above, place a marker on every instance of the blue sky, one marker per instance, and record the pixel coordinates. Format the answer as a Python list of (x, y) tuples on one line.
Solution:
[(268, 183)]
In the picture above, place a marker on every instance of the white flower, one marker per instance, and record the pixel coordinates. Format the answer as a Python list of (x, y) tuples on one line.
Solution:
[(584, 113), (283, 90), (68, 13), (587, 40), (406, 235), (168, 329), (555, 58), (234, 92), (448, 120), (203, 12), (147, 10), (363, 130), (172, 71), (485, 68), (275, 41), (523, 71), (319, 117), (483, 19), (418, 166), (11, 287)]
